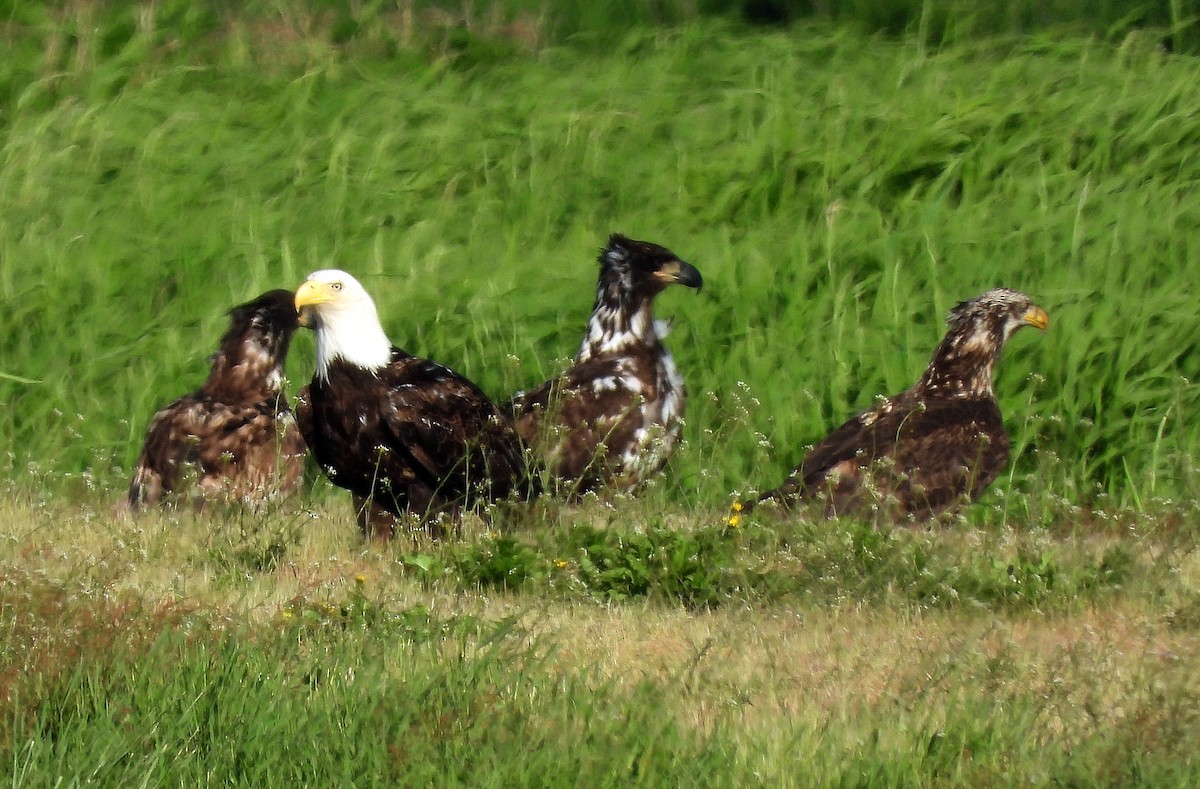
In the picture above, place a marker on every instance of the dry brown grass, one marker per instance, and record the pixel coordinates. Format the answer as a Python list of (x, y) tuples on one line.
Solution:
[(768, 671), (817, 665)]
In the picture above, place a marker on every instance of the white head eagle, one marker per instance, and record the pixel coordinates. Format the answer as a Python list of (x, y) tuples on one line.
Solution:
[(404, 435), (337, 307)]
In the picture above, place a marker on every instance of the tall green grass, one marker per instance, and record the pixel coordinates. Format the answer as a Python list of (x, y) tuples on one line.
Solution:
[(839, 194)]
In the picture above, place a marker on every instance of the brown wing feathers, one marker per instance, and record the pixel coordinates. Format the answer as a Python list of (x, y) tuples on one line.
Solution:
[(234, 437), (937, 444), (407, 435), (613, 417)]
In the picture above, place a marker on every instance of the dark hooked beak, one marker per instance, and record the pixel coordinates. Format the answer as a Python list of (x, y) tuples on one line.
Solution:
[(679, 273)]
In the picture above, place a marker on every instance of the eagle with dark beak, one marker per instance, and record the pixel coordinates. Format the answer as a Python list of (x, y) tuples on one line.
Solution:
[(613, 417)]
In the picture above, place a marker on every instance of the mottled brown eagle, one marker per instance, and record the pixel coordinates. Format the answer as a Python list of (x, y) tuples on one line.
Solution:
[(403, 434), (938, 444), (614, 416), (235, 438)]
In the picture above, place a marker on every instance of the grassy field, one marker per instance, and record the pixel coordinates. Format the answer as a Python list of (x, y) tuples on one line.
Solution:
[(582, 648), (838, 190)]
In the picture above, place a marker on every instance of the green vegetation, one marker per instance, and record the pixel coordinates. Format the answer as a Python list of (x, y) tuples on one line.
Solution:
[(841, 182), (315, 699), (838, 194), (149, 650)]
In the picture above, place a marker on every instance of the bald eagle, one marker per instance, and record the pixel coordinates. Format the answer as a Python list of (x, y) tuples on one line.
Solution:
[(235, 438), (932, 446), (401, 433), (614, 416)]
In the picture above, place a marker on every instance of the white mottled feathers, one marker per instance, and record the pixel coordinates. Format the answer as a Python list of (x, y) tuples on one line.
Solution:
[(614, 416)]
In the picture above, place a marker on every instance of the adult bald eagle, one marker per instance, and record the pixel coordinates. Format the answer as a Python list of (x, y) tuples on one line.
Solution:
[(614, 416), (403, 434), (235, 438), (934, 445)]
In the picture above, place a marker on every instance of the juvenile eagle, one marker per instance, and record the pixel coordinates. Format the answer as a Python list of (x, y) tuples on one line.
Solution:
[(934, 445), (402, 434), (235, 438), (613, 417)]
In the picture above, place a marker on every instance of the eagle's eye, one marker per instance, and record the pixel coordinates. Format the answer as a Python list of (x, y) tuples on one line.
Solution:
[(336, 286)]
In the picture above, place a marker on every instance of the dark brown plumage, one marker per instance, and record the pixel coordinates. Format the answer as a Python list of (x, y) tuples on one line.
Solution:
[(932, 446), (614, 416), (402, 434), (235, 438)]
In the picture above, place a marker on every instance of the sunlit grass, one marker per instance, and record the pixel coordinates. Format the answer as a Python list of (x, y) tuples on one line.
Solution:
[(170, 633), (839, 198)]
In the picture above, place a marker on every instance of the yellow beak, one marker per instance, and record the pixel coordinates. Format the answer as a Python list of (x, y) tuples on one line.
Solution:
[(1036, 316), (312, 293)]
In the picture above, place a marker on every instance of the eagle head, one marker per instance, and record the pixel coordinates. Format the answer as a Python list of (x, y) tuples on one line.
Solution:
[(249, 362), (977, 331), (341, 312), (996, 314), (271, 313), (640, 266)]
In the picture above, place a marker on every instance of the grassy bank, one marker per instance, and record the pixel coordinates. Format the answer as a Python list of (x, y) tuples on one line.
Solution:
[(277, 650), (497, 26)]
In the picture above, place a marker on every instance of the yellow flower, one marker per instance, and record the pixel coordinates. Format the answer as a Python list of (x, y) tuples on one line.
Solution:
[(560, 563), (360, 579), (737, 506), (733, 520), (286, 614)]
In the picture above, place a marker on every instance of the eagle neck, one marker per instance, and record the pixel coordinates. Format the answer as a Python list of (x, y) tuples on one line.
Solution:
[(620, 320), (246, 370), (353, 336), (962, 365)]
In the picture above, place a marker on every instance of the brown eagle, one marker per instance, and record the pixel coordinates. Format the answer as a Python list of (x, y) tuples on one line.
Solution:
[(614, 416), (235, 438), (401, 433), (929, 447)]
